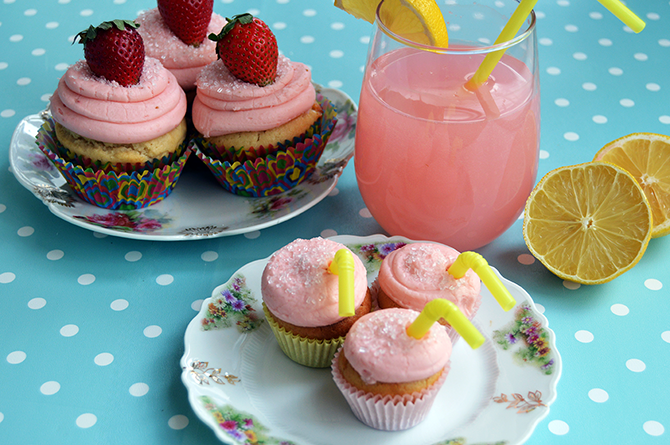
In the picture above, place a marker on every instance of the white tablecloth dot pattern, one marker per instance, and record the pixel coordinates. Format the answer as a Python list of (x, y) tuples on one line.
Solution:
[(91, 326)]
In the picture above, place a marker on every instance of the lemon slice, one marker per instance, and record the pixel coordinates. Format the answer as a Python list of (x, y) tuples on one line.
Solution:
[(587, 223), (646, 156), (420, 21)]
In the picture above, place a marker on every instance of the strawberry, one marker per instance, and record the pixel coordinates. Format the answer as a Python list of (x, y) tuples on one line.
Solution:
[(114, 50), (248, 48), (187, 19)]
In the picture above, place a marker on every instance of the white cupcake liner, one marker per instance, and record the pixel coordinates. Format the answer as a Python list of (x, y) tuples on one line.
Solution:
[(387, 413)]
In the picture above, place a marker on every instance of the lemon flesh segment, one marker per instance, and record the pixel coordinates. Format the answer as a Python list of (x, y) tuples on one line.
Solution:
[(420, 21), (587, 223), (646, 156)]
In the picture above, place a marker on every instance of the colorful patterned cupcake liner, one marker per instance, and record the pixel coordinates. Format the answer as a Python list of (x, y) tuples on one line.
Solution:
[(304, 351), (110, 189), (266, 171)]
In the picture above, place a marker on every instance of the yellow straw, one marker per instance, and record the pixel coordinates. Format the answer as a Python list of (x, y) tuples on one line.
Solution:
[(441, 308), (624, 14), (343, 266), (474, 261)]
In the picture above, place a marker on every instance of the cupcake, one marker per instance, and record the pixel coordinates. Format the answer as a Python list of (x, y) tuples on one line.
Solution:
[(262, 127), (301, 299), (176, 34), (118, 129), (388, 378), (416, 273)]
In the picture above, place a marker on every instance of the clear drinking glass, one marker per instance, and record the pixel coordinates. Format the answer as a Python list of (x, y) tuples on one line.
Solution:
[(435, 160)]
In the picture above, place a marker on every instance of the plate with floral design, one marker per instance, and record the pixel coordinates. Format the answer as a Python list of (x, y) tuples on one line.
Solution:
[(198, 207), (247, 391)]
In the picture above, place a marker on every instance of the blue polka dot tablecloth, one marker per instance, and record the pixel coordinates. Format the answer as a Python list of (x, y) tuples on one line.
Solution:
[(92, 326)]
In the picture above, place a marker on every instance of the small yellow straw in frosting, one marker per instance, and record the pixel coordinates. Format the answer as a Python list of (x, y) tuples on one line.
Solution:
[(624, 14), (474, 261), (441, 308), (343, 266)]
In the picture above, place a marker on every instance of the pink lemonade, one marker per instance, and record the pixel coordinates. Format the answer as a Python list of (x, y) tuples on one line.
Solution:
[(435, 161)]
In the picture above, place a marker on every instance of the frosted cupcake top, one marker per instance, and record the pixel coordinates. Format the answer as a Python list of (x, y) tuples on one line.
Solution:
[(417, 273), (184, 61), (98, 109), (225, 104), (298, 288), (378, 348)]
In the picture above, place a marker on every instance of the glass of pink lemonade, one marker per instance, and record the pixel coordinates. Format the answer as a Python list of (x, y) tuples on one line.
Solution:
[(434, 159)]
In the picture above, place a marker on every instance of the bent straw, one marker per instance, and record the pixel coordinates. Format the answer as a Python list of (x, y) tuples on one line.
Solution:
[(441, 308), (624, 14), (474, 261), (343, 266)]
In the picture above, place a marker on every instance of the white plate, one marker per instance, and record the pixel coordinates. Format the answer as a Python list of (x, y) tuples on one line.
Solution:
[(240, 383), (198, 207)]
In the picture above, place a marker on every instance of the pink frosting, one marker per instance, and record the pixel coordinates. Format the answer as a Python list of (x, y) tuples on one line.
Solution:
[(184, 61), (378, 348), (298, 288), (106, 111), (225, 104), (417, 273)]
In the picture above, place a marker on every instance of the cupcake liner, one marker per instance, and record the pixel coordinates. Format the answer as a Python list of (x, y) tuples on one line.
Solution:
[(305, 351), (387, 413), (267, 171), (111, 189)]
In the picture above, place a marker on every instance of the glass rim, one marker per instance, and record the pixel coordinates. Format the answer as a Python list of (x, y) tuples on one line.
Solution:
[(462, 50)]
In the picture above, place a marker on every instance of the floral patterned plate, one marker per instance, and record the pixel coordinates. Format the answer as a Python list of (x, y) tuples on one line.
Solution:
[(243, 387), (198, 207)]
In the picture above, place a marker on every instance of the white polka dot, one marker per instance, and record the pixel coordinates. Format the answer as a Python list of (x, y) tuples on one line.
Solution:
[(178, 422), (38, 52), (525, 259), (598, 395), (281, 2), (619, 309), (7, 113), (152, 331), (562, 102), (25, 231), (7, 277), (664, 119), (52, 25), (279, 26), (599, 119), (589, 86), (16, 38), (635, 365), (365, 213), (664, 42), (653, 16), (571, 285), (16, 357), (55, 255), (86, 279), (558, 427), (653, 428), (138, 389), (545, 41), (328, 233), (196, 305), (584, 336), (627, 103), (3, 65), (554, 71), (337, 26), (61, 66), (86, 420), (571, 136), (571, 28), (563, 3), (119, 2), (641, 57), (37, 303), (309, 12), (306, 39), (69, 330), (50, 388), (544, 154), (86, 12), (133, 256), (336, 54), (335, 84), (164, 279), (209, 256), (364, 40), (334, 192), (615, 71), (45, 97), (119, 305), (63, 2), (595, 15), (653, 86), (539, 308), (23, 81), (653, 284), (103, 359), (252, 235), (579, 56), (605, 42), (666, 336)]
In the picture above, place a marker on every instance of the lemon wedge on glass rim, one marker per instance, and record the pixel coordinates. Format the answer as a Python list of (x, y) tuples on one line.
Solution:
[(587, 223), (420, 21), (646, 156)]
